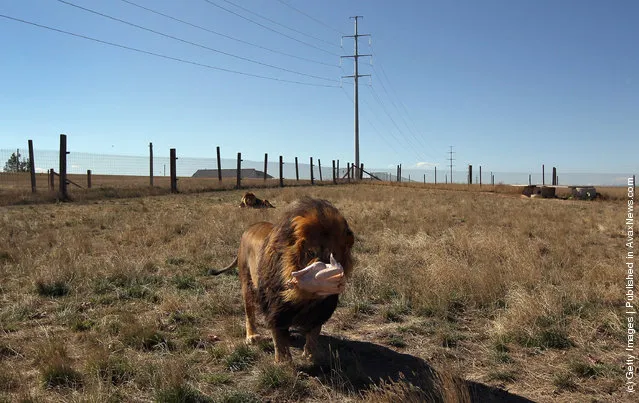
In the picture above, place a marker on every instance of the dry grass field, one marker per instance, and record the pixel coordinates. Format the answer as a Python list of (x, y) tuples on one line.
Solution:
[(111, 300)]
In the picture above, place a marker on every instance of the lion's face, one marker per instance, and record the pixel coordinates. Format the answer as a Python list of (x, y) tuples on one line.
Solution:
[(316, 233), (249, 199)]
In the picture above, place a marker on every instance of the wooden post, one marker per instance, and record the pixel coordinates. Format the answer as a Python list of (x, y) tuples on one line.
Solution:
[(238, 185), (151, 164), (88, 179), (529, 180), (470, 174), (348, 171), (319, 168), (219, 165), (281, 172), (334, 182), (32, 167), (265, 165), (400, 172), (554, 176), (543, 175), (312, 178), (480, 176), (337, 171), (446, 179), (51, 179), (361, 171), (173, 170), (64, 195), (424, 179), (297, 172)]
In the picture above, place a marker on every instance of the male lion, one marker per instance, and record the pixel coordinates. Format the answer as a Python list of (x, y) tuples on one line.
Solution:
[(250, 200), (310, 231)]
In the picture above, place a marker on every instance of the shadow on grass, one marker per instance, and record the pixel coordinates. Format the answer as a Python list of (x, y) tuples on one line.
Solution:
[(360, 367)]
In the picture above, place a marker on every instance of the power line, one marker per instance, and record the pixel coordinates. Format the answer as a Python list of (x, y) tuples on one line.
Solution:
[(417, 139), (224, 35), (277, 23), (269, 28), (397, 140), (117, 45), (311, 17), (373, 126), (194, 43), (410, 143), (401, 103)]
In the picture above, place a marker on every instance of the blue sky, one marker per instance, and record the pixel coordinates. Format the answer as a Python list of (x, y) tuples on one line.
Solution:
[(510, 84)]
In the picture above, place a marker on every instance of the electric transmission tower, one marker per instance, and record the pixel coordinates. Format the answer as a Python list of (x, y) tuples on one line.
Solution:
[(356, 77), (451, 159)]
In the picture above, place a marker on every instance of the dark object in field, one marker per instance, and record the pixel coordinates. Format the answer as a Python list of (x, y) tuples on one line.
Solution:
[(310, 231), (250, 200)]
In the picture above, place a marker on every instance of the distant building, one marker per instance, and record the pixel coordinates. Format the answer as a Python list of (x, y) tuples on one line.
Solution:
[(249, 173)]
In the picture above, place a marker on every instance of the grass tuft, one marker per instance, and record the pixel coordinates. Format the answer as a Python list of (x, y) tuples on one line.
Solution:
[(182, 393), (241, 358), (240, 396), (53, 289)]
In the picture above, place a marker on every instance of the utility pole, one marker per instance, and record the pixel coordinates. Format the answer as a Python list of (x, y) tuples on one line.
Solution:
[(451, 159), (356, 77)]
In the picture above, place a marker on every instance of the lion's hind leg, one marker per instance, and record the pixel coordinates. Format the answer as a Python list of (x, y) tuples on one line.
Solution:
[(248, 293)]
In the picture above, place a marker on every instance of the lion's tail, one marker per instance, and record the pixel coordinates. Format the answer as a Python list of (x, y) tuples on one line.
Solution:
[(215, 272)]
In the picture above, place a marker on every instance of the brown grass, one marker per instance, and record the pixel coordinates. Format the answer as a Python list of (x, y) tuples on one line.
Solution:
[(113, 295)]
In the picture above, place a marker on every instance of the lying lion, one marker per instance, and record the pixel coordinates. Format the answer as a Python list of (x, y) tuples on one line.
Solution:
[(250, 200)]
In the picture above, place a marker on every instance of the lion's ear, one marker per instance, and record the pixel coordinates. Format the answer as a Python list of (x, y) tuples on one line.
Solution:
[(350, 237)]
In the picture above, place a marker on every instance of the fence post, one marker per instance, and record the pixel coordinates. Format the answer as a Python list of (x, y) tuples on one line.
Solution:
[(470, 174), (265, 165), (219, 165), (238, 185), (32, 167), (51, 179), (151, 164), (337, 170), (173, 170), (334, 182), (424, 179), (435, 175), (63, 167), (281, 172), (297, 172), (446, 179), (529, 180), (88, 179), (543, 175), (348, 171), (361, 171), (480, 176), (400, 172), (312, 178), (554, 176), (319, 168)]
